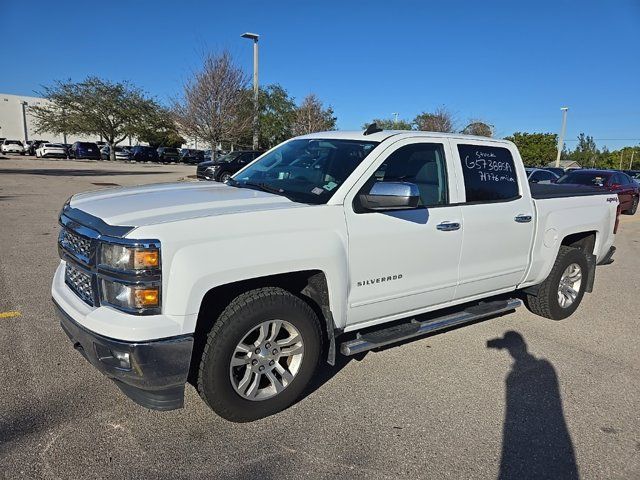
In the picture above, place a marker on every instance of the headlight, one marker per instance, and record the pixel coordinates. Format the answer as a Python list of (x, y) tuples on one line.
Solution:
[(130, 297), (124, 258)]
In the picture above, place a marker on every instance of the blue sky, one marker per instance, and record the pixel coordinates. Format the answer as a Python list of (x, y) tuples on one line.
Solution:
[(511, 63)]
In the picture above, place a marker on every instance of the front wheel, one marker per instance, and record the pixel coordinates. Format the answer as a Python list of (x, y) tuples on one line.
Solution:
[(561, 293), (260, 355), (224, 177), (634, 207)]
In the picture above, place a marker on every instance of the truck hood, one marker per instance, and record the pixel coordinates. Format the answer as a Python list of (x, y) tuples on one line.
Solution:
[(169, 202)]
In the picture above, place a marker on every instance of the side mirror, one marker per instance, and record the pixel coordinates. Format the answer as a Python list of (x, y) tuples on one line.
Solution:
[(391, 196)]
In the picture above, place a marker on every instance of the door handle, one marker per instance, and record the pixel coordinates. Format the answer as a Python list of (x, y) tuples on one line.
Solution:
[(448, 226), (522, 218)]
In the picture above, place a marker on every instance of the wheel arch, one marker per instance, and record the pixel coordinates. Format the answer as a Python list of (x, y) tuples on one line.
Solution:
[(309, 285)]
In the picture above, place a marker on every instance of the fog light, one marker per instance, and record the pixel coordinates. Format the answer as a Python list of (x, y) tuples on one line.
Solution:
[(123, 357), (112, 357)]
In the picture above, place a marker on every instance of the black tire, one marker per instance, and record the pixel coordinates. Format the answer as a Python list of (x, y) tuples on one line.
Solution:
[(634, 207), (245, 312), (546, 303), (224, 176)]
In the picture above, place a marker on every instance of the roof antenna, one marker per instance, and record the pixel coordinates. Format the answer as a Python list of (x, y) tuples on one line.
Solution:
[(373, 128)]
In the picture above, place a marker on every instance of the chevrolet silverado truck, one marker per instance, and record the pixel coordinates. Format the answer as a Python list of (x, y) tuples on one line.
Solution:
[(330, 243)]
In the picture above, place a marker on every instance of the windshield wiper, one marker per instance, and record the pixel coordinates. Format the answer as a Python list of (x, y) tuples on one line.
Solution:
[(260, 186)]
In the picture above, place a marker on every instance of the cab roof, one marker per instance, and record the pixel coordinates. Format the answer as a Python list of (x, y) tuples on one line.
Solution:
[(385, 134)]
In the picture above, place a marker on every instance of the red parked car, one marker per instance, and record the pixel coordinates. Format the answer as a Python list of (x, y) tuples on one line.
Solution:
[(611, 180)]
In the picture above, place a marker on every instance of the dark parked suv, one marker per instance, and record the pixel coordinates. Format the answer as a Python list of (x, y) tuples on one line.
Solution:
[(168, 154), (221, 169), (85, 150), (190, 155), (140, 153)]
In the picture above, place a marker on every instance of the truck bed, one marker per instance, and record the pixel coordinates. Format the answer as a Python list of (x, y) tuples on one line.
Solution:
[(541, 191)]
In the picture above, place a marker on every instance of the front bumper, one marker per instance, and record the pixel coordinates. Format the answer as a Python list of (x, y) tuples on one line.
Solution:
[(158, 369)]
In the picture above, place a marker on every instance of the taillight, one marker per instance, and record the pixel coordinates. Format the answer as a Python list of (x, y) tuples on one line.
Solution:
[(615, 225)]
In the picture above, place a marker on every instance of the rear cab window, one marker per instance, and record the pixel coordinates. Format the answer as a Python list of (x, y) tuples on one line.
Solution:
[(489, 173)]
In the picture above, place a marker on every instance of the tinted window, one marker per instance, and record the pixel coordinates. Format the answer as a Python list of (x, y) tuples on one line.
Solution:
[(246, 157), (489, 173), (420, 163), (626, 180), (585, 178), (542, 176)]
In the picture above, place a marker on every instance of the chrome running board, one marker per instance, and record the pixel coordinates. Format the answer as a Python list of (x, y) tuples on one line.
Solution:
[(404, 331)]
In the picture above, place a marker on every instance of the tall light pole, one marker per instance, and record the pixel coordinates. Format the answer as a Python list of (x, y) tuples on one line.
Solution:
[(24, 120), (395, 119), (256, 126), (562, 132)]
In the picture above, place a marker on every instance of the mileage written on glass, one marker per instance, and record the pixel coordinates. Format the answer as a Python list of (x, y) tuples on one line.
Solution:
[(489, 173)]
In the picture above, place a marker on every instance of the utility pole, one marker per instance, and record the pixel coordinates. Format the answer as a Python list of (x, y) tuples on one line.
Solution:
[(633, 152), (621, 154), (256, 125), (24, 120), (562, 132), (395, 119)]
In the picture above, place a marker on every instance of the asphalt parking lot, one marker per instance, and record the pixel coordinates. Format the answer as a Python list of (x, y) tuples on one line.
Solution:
[(563, 401)]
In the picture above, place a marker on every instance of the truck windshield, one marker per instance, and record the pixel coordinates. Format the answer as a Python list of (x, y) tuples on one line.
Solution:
[(305, 171)]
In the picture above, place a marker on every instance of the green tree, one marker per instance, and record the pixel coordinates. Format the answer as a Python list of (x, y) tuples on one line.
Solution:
[(162, 137), (277, 113), (586, 152), (536, 149), (95, 107), (390, 124)]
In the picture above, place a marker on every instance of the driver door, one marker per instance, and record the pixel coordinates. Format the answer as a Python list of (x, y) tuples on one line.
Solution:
[(404, 261)]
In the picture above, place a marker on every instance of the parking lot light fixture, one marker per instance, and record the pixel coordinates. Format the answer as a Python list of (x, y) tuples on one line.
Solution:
[(24, 120), (254, 37)]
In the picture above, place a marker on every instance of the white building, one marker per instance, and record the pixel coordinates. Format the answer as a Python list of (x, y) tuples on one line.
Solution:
[(17, 124)]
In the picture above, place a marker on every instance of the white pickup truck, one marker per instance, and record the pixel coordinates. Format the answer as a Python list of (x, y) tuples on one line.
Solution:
[(335, 241)]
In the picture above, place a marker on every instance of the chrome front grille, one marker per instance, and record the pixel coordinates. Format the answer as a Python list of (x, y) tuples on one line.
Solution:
[(78, 250), (76, 245), (80, 283)]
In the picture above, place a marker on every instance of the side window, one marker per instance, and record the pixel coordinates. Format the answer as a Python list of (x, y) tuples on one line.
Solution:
[(489, 173), (536, 176), (543, 176), (422, 164)]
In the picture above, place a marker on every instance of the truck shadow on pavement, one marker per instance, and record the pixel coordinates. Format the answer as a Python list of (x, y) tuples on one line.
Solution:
[(535, 441)]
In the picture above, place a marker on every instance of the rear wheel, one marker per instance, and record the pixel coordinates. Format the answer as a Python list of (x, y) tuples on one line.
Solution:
[(561, 293), (260, 355)]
